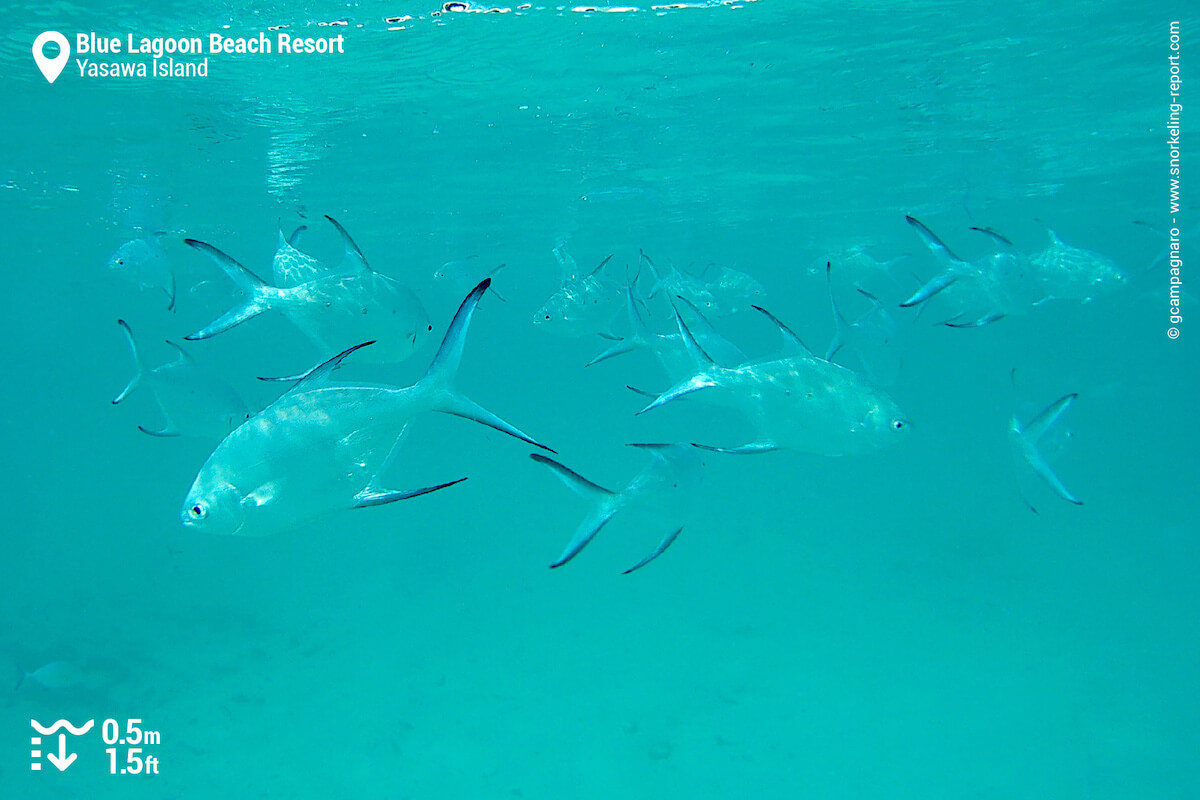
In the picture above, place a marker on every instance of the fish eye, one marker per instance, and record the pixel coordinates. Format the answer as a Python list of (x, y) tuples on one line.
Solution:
[(430, 328), (198, 511), (547, 316), (898, 424)]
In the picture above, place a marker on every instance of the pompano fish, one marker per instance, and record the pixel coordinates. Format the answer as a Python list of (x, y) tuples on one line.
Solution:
[(55, 675), (144, 263), (1072, 273), (673, 283), (981, 291), (669, 348), (583, 305), (733, 291), (322, 447), (193, 401), (799, 402), (662, 484), (462, 273), (868, 339), (351, 302), (1027, 442)]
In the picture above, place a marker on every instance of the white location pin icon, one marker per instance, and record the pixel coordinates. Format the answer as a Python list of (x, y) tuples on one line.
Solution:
[(51, 67)]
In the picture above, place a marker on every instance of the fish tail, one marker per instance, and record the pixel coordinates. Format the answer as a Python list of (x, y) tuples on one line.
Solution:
[(20, 681), (607, 505), (439, 379), (137, 375), (259, 296)]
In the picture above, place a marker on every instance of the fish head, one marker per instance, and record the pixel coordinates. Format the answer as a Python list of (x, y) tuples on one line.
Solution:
[(553, 311), (129, 256), (884, 421), (214, 507)]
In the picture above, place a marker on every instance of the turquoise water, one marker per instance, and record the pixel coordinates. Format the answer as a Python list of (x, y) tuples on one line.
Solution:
[(890, 624)]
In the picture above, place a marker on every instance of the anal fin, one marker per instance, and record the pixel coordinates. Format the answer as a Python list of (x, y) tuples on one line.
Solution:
[(375, 497)]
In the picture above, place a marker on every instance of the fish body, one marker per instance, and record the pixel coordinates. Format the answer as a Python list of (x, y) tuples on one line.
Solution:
[(799, 402), (669, 349), (193, 401), (333, 307), (55, 675), (322, 446), (867, 340), (462, 273), (583, 305), (732, 291), (144, 263), (981, 291), (662, 487), (1072, 273), (671, 282), (292, 266)]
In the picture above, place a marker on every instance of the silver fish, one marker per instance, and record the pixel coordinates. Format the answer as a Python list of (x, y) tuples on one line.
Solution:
[(800, 402), (869, 339), (662, 484), (1072, 273), (981, 291), (463, 273), (674, 283), (193, 401), (144, 263), (669, 348), (322, 447), (733, 291), (349, 303), (1026, 439), (583, 305), (55, 675)]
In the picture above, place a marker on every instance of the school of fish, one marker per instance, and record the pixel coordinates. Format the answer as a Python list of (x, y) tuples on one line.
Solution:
[(324, 445)]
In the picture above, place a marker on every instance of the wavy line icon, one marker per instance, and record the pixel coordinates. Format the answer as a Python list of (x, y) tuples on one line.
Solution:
[(62, 723)]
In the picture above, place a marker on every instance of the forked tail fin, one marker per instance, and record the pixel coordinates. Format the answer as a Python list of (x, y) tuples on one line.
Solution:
[(607, 503), (259, 295), (439, 378)]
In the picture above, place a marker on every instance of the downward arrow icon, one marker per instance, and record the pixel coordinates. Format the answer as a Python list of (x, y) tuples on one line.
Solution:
[(62, 760)]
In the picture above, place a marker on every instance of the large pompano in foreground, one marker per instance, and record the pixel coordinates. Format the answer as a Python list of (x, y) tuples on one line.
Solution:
[(322, 446)]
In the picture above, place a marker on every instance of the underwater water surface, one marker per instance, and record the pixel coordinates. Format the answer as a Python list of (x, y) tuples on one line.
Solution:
[(929, 618)]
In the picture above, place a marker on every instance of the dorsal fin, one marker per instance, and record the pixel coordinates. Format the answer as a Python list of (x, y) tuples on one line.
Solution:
[(931, 240), (790, 340), (183, 357), (693, 347), (1003, 240), (599, 266), (318, 376), (839, 320), (353, 260), (294, 239)]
